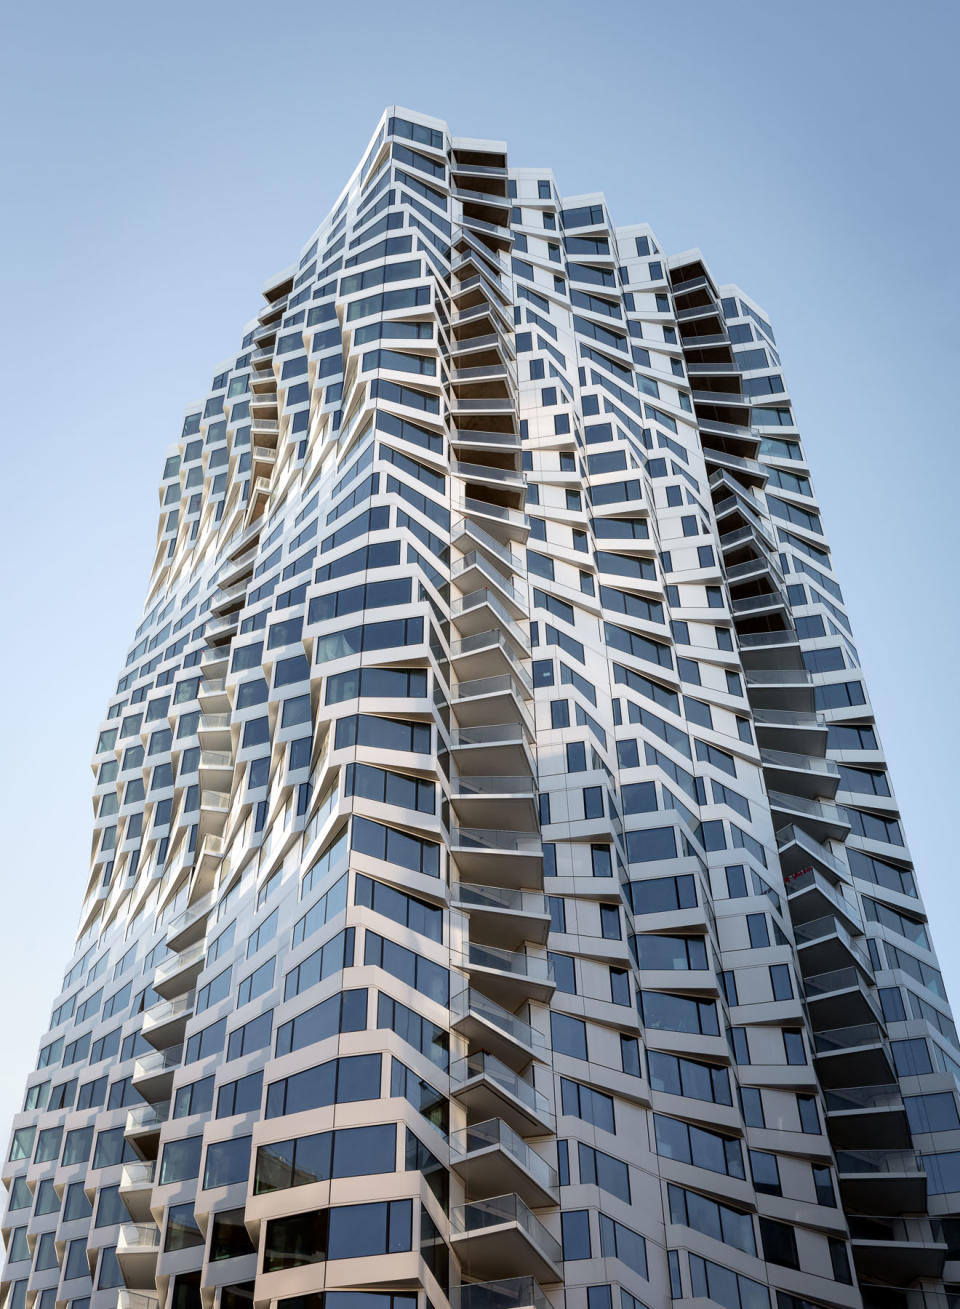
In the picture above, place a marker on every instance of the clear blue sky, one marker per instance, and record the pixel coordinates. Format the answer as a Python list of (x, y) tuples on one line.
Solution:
[(161, 161)]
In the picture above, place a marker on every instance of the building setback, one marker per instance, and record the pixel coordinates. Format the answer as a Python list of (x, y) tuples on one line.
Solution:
[(497, 894)]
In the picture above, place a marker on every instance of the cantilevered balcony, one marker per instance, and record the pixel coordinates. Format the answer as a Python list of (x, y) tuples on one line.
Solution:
[(501, 1237), (127, 1299), (490, 1158), (501, 916), (136, 1188), (799, 851), (509, 799), (189, 926), (811, 895), (165, 1023), (800, 774), (868, 1116), (153, 1073), (508, 977), (821, 818), (489, 1027), (825, 944), (843, 997), (852, 1056), (790, 729), (894, 1249), (178, 972), (142, 1128), (492, 747), (488, 653), (882, 1181), (138, 1245), (509, 1293), (487, 1088), (502, 521), (498, 858)]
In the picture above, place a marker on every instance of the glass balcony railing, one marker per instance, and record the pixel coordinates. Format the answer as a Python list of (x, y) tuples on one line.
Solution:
[(498, 1212), (847, 1038), (495, 1134), (160, 1061), (486, 1065), (498, 897), (518, 785), (878, 1161), (863, 1097), (496, 841), (138, 1236), (137, 1176), (514, 962), (510, 1293), (471, 1001), (146, 1117)]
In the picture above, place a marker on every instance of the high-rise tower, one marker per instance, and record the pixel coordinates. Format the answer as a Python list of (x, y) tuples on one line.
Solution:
[(497, 894)]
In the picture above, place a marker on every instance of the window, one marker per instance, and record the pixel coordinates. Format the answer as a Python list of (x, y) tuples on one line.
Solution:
[(575, 1233), (697, 1146), (599, 1169), (726, 1288), (75, 1204), (339, 1081), (583, 1102), (687, 1077), (766, 1172), (195, 1098), (180, 1160), (229, 1238), (719, 1221), (227, 1162), (347, 1232), (779, 1243), (183, 1231), (621, 1242), (348, 1152), (240, 1097), (568, 1035)]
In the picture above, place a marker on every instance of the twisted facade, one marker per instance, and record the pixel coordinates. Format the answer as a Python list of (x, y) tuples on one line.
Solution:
[(497, 894)]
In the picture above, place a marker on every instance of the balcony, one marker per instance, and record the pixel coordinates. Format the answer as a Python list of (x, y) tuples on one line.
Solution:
[(800, 774), (138, 1245), (490, 748), (142, 1128), (136, 1299), (214, 731), (872, 1116), (510, 1293), (825, 944), (789, 729), (509, 799), (810, 896), (769, 650), (489, 653), (882, 1181), (214, 807), (153, 1073), (503, 523), (841, 998), (821, 818), (508, 977), (491, 1157), (487, 1088), (852, 1056), (503, 917), (501, 1236), (494, 1030), (136, 1188), (498, 858), (799, 851), (481, 611), (165, 1023), (189, 926), (897, 1249), (475, 571), (219, 630), (503, 694), (179, 972)]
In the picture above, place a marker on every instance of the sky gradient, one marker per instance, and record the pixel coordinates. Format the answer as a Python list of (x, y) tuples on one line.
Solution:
[(163, 161)]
